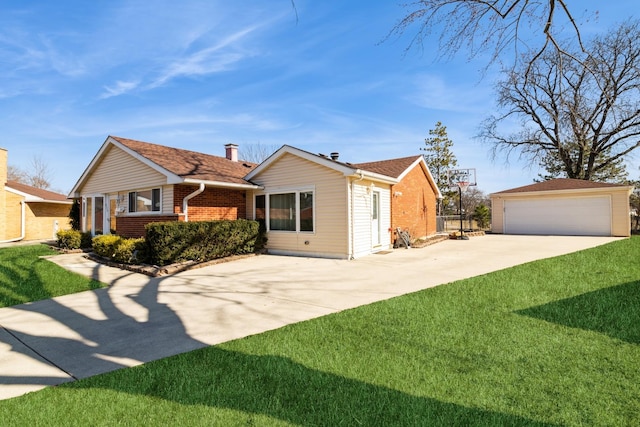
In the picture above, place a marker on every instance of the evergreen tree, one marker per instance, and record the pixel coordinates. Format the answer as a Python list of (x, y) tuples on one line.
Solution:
[(440, 159)]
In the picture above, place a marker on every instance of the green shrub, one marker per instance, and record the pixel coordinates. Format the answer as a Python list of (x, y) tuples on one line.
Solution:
[(174, 241), (69, 239), (104, 245), (86, 240), (121, 249)]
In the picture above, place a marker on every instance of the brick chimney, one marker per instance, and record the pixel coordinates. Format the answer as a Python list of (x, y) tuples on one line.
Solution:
[(231, 152)]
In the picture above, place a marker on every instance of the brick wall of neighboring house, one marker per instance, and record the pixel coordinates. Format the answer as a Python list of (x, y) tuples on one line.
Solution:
[(3, 200), (133, 226), (415, 209), (42, 218), (212, 204), (13, 215)]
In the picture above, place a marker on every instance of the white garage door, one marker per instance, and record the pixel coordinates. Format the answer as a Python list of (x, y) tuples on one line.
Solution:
[(579, 216)]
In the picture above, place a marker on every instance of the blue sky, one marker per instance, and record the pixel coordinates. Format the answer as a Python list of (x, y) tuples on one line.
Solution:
[(200, 74)]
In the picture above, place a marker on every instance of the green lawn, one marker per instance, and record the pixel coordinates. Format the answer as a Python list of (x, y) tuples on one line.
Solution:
[(25, 277), (554, 342)]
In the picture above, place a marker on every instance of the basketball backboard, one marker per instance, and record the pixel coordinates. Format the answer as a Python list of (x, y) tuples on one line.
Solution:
[(461, 178)]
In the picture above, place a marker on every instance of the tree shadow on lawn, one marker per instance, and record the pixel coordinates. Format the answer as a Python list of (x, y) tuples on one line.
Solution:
[(283, 389), (613, 311)]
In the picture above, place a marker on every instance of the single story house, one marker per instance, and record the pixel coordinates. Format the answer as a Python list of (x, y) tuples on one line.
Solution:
[(129, 184), (312, 205), (563, 207), (29, 213), (315, 205)]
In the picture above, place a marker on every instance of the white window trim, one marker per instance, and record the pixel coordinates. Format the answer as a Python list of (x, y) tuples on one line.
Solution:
[(297, 191), (126, 212)]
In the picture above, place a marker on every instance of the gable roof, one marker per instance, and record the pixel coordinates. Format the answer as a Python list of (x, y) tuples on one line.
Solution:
[(391, 167), (562, 184), (178, 165), (389, 171), (190, 165), (398, 168), (33, 194)]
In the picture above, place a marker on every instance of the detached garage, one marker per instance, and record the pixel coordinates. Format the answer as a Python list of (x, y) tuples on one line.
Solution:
[(571, 207)]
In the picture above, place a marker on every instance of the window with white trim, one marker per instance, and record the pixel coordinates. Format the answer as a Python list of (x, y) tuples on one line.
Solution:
[(291, 211), (145, 201)]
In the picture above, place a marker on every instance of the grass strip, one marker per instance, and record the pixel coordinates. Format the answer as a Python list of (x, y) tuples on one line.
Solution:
[(25, 277)]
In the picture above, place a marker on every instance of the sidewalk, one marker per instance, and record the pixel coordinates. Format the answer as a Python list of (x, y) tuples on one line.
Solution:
[(138, 318)]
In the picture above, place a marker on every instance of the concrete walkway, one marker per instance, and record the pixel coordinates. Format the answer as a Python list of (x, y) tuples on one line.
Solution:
[(138, 319)]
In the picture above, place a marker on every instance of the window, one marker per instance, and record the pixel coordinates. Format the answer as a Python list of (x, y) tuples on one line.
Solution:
[(145, 201), (306, 211), (282, 212), (287, 211)]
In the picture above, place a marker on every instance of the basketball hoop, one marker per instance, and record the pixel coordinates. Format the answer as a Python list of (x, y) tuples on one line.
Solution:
[(463, 185)]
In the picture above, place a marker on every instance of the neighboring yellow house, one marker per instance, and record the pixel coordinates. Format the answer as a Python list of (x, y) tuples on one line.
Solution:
[(29, 213)]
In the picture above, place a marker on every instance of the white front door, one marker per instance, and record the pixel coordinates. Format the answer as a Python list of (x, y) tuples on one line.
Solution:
[(375, 218)]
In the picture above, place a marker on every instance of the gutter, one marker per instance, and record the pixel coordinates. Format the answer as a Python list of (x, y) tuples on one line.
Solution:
[(22, 225), (185, 201)]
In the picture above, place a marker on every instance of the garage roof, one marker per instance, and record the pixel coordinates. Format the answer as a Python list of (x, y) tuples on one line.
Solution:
[(561, 184)]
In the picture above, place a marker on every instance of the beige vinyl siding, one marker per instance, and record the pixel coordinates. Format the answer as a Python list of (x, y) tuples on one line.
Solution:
[(330, 237), (497, 215), (621, 221), (119, 171)]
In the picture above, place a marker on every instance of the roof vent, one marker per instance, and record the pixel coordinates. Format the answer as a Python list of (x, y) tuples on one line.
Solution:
[(335, 155)]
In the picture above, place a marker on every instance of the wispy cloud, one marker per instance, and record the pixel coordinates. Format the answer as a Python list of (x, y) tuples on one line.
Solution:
[(119, 88), (213, 59)]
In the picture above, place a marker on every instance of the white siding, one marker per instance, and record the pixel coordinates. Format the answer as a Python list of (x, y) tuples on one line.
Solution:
[(118, 171), (362, 218)]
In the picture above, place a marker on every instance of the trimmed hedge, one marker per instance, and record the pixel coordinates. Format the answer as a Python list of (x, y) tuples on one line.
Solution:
[(173, 241), (121, 249)]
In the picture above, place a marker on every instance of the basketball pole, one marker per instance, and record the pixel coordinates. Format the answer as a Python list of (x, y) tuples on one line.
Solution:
[(462, 236)]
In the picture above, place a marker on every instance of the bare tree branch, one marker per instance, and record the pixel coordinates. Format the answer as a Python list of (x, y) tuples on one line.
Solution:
[(578, 118)]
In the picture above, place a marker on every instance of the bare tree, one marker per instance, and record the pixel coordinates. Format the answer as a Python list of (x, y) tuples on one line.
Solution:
[(582, 115), (256, 153), (490, 26), (38, 175), (16, 174)]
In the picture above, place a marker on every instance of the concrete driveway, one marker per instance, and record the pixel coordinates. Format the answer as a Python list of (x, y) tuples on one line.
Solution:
[(138, 319)]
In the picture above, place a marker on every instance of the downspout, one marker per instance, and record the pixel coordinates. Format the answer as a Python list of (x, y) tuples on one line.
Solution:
[(22, 225), (353, 219), (185, 201)]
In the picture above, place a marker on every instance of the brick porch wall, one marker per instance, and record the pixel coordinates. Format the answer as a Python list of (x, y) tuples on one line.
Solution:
[(212, 204), (133, 226), (415, 209)]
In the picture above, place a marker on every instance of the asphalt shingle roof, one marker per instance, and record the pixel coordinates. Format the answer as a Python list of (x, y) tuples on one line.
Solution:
[(191, 164), (392, 167), (560, 184), (45, 195)]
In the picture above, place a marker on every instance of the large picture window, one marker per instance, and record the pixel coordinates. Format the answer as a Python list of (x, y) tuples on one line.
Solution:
[(145, 201), (282, 212), (288, 211)]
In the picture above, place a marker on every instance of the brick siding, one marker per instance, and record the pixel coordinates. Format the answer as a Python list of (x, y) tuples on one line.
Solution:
[(415, 209), (212, 204), (133, 226)]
